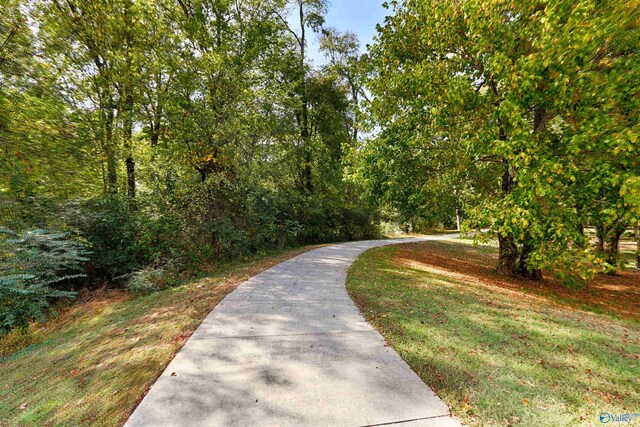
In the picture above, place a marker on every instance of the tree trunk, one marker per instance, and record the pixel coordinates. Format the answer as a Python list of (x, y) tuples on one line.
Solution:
[(600, 233), (155, 133), (523, 267), (637, 230), (508, 250), (306, 172), (356, 118), (112, 175), (104, 177), (128, 113), (154, 113), (507, 255), (129, 162), (131, 182), (613, 250), (203, 173), (305, 135)]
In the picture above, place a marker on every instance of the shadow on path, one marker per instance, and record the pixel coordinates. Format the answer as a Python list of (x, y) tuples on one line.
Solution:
[(289, 347)]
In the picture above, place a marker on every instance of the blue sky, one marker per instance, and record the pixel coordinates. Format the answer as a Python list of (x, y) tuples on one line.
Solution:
[(359, 16)]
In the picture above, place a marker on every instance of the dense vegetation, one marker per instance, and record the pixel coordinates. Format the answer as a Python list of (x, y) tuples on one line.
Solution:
[(522, 115), (150, 136)]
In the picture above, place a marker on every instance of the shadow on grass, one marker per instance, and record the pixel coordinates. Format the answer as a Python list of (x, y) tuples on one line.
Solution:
[(495, 355), (617, 295)]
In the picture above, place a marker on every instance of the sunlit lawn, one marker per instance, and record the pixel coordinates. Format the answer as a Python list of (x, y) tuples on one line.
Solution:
[(94, 363), (504, 352)]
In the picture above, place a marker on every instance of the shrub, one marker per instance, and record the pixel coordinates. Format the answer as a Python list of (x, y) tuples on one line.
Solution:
[(149, 279), (216, 220), (114, 234), (34, 267)]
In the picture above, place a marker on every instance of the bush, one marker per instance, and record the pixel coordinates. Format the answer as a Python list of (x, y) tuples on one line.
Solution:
[(326, 220), (149, 279), (219, 219), (35, 265), (114, 234)]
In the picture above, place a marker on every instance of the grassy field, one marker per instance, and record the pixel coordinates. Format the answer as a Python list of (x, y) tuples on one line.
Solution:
[(501, 351), (95, 362)]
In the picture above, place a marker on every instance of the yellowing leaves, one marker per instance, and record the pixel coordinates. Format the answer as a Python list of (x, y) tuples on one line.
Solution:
[(557, 168)]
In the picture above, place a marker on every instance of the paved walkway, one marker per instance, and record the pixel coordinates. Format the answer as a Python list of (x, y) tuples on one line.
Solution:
[(289, 348)]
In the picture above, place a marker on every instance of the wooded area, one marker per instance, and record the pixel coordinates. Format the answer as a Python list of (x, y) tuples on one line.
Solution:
[(165, 133), (142, 137)]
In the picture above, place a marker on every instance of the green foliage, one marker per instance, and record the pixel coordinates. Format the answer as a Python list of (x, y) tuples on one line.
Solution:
[(527, 112), (34, 267), (114, 233), (177, 133), (148, 279)]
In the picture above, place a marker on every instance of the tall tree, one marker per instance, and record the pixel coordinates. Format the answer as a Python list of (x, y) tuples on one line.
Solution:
[(532, 90), (127, 87), (213, 70), (96, 29), (307, 15), (42, 153), (343, 51)]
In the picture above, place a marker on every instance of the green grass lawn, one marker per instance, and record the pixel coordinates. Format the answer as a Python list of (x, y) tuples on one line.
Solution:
[(503, 352), (94, 363)]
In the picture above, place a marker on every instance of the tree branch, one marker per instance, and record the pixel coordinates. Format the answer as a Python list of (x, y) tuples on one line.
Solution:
[(287, 27)]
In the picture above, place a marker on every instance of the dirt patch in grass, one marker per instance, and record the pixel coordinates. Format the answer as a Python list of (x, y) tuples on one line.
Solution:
[(501, 352), (617, 294), (94, 363)]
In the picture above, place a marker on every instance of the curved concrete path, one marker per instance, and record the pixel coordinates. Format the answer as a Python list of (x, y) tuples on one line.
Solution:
[(289, 348)]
